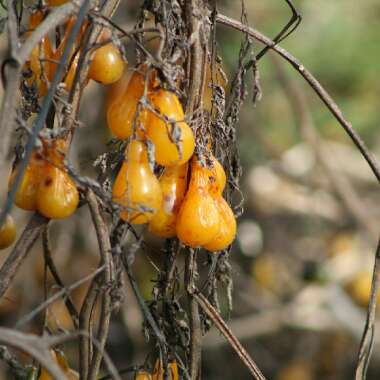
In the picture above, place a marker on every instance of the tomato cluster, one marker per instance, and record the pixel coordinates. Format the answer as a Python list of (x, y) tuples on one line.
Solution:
[(46, 186), (184, 201), (194, 211), (107, 65)]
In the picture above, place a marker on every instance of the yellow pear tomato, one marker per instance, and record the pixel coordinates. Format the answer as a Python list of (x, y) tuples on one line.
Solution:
[(164, 133), (136, 187), (121, 114), (107, 65), (57, 196), (46, 187), (198, 219), (227, 227)]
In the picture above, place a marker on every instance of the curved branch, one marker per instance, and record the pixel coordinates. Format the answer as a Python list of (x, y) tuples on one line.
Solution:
[(314, 84)]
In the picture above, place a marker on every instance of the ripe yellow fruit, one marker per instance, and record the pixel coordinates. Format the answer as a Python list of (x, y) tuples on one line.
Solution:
[(121, 113), (164, 134), (107, 65), (46, 187), (227, 227), (198, 220), (57, 196), (173, 184), (7, 232), (136, 187)]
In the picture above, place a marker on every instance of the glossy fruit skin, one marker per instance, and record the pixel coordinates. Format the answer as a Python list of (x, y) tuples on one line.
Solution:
[(158, 131), (136, 186), (41, 70), (198, 219), (46, 187), (121, 113), (227, 228), (173, 184), (107, 65), (7, 232), (115, 91), (57, 196)]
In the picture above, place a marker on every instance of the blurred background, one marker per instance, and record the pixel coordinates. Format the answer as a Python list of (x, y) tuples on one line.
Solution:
[(304, 253)]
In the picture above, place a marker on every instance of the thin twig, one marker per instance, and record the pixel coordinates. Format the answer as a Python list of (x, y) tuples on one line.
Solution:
[(366, 344), (102, 234), (195, 321), (340, 183), (228, 334), (84, 325), (36, 347), (315, 85)]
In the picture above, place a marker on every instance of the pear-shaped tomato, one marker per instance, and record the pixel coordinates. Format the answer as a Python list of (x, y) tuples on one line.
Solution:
[(121, 114), (173, 185), (136, 188), (46, 187), (173, 139), (7, 232), (227, 227), (198, 219), (57, 196), (38, 61), (107, 65), (27, 191)]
